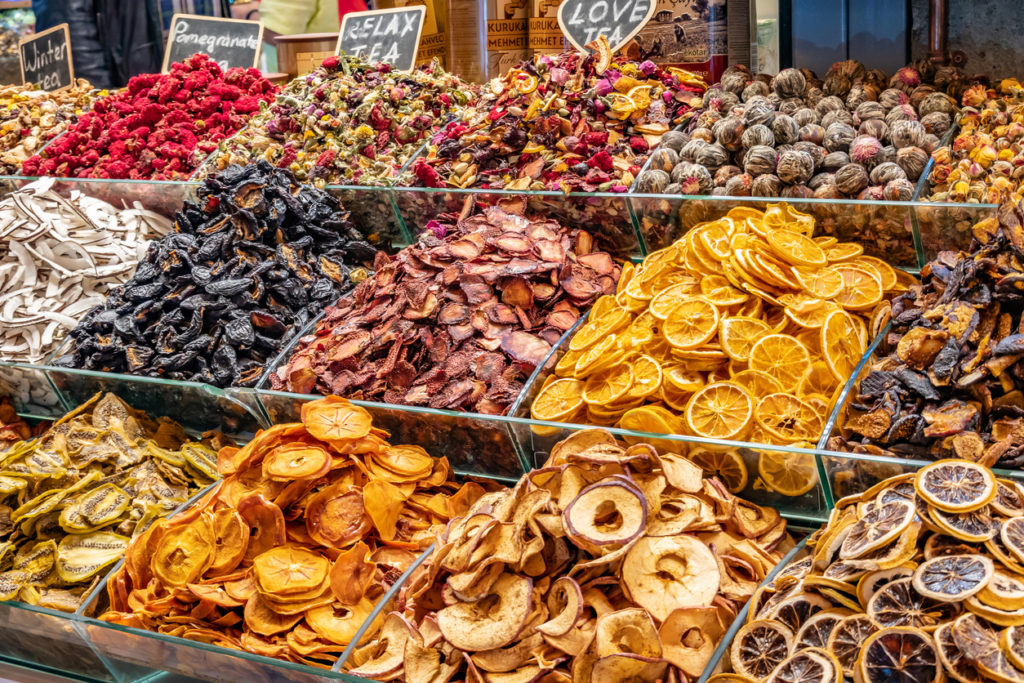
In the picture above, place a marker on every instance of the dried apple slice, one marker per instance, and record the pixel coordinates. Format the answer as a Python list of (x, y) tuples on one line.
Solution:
[(289, 570), (184, 552), (689, 637), (335, 419), (493, 621), (606, 513), (297, 460), (663, 574), (81, 556), (627, 630), (629, 667), (565, 604), (387, 655)]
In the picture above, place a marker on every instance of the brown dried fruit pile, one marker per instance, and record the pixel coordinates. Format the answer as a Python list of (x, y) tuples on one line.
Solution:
[(607, 564), (286, 558), (458, 320), (71, 500), (948, 381)]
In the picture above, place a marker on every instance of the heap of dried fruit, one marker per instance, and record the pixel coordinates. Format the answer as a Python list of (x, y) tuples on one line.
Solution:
[(12, 428), (794, 136), (985, 161), (258, 255), (71, 500), (947, 381), (159, 127), (607, 564), (920, 578), (59, 257), (30, 118), (743, 329), (349, 122), (458, 320), (287, 557), (569, 122)]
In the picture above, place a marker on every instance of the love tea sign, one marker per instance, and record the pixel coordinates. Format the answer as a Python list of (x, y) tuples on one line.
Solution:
[(583, 21), (387, 35)]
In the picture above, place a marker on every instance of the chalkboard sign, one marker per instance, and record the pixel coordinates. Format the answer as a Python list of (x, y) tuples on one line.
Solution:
[(385, 35), (583, 21), (46, 59), (229, 42)]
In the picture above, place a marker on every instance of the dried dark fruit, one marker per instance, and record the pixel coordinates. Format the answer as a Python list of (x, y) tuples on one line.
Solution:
[(257, 256), (457, 320)]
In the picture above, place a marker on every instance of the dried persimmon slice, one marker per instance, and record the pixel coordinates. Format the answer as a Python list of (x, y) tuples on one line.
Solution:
[(334, 419), (184, 552), (290, 569)]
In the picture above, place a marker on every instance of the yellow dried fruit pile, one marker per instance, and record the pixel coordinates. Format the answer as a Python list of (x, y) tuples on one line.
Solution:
[(920, 578), (744, 329), (288, 555), (607, 564), (71, 500)]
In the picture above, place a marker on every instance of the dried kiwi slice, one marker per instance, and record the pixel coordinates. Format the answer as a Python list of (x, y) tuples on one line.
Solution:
[(201, 459), (99, 507), (80, 556), (11, 583)]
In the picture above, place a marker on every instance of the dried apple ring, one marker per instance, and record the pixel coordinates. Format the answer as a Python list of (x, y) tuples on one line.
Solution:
[(606, 513)]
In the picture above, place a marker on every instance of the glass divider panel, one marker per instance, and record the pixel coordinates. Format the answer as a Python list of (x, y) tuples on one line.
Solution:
[(31, 390), (49, 639), (948, 226), (719, 657)]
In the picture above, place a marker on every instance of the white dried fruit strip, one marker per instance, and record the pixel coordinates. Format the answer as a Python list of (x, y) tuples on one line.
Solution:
[(58, 259)]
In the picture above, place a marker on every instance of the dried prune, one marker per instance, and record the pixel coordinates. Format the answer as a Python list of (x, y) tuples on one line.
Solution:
[(457, 320), (216, 299)]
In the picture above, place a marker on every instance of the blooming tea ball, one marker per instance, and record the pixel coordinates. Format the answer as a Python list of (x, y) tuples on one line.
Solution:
[(652, 181), (789, 83), (767, 185), (907, 134), (785, 130), (851, 179), (758, 134), (759, 160), (795, 167)]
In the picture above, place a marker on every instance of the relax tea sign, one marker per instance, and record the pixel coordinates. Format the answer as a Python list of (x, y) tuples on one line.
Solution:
[(389, 35), (583, 21)]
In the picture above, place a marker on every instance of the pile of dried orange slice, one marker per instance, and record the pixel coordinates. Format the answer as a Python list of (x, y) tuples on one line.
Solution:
[(744, 329), (286, 558), (609, 563), (71, 500), (920, 578)]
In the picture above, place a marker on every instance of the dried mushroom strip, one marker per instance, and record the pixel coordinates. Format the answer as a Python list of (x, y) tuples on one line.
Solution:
[(458, 320), (948, 381), (29, 118), (607, 564), (71, 500), (569, 122), (348, 122), (985, 161), (258, 256), (286, 558), (919, 578), (59, 258)]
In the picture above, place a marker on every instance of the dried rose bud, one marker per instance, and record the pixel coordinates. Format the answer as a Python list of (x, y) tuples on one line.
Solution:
[(865, 150)]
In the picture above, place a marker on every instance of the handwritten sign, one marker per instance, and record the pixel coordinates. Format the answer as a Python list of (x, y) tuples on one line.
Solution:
[(229, 42), (583, 21), (46, 59), (386, 35)]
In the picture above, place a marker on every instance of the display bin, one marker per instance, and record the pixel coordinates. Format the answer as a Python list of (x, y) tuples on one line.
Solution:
[(31, 391), (164, 197), (605, 215)]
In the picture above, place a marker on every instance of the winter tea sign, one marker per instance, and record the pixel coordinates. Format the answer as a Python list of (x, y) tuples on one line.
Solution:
[(583, 21), (46, 59), (386, 35)]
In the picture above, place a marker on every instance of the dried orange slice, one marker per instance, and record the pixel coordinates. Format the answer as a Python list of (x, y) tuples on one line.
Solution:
[(953, 578), (717, 290), (956, 485), (817, 381), (790, 474), (796, 249), (725, 464), (843, 251), (608, 386), (720, 411), (821, 283), (861, 289), (787, 418), (739, 334), (691, 324), (840, 344), (886, 273), (899, 653), (760, 647), (558, 400), (332, 419), (782, 357)]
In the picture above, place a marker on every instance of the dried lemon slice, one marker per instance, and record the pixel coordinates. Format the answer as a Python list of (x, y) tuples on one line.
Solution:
[(1011, 642), (861, 289), (898, 604), (691, 324), (558, 400), (787, 418), (899, 653), (840, 344), (726, 464), (816, 630), (952, 578), (795, 610), (1005, 591), (739, 334), (846, 638), (760, 647), (954, 661), (956, 485), (980, 645), (810, 665), (720, 411), (876, 528)]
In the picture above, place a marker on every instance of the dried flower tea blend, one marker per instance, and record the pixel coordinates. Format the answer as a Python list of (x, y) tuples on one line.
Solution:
[(30, 118), (257, 257), (160, 126), (458, 320), (289, 554), (71, 500)]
